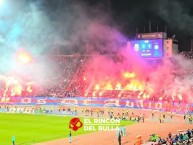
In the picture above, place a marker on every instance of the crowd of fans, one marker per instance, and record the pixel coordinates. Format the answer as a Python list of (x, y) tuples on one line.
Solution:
[(65, 68), (187, 54), (181, 138), (71, 82), (57, 81), (67, 80)]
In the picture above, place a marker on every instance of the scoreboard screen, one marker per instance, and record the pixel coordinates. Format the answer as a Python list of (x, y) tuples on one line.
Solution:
[(148, 48)]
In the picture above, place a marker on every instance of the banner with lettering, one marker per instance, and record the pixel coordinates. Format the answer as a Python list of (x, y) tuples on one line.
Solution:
[(99, 102)]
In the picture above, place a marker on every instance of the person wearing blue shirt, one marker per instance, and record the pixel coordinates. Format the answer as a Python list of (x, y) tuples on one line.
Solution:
[(70, 137), (13, 140), (117, 132), (119, 138), (124, 130)]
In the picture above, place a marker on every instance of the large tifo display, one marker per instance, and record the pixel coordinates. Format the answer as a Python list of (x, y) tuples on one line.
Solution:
[(99, 102), (148, 48)]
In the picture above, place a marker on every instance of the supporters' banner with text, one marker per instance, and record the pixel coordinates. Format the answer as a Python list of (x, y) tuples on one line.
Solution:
[(99, 102)]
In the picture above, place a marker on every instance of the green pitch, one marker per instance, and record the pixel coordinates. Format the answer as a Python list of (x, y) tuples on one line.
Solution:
[(29, 129)]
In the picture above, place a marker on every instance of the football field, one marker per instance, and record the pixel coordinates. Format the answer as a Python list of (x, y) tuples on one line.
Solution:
[(30, 128)]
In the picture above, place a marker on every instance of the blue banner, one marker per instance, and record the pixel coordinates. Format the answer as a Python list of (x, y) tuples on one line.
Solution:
[(99, 102)]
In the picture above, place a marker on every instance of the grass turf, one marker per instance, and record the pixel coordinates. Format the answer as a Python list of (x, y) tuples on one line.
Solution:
[(29, 129)]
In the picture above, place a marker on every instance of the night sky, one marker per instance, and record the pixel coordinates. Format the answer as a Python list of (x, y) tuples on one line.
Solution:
[(175, 15), (131, 16)]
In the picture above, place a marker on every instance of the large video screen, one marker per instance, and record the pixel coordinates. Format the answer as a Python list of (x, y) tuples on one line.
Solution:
[(148, 48)]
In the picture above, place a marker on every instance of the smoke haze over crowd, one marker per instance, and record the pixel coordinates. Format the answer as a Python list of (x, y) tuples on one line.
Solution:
[(66, 27)]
